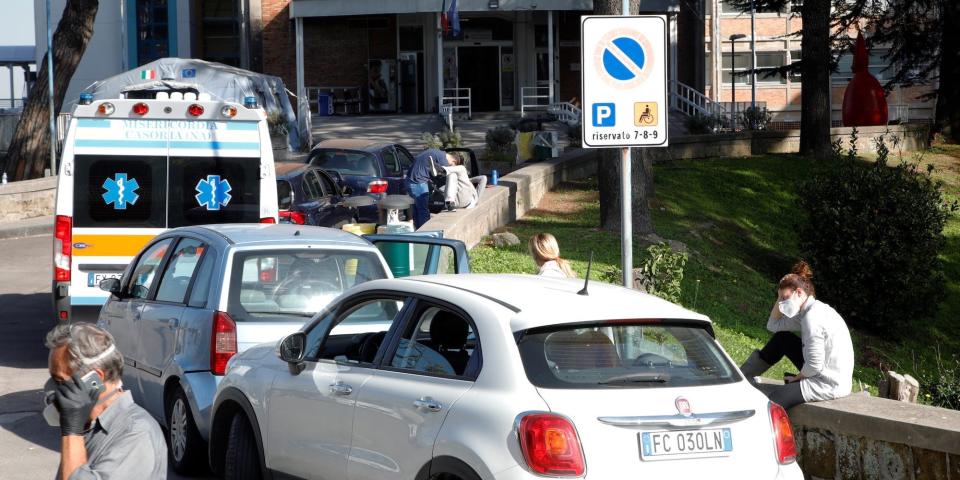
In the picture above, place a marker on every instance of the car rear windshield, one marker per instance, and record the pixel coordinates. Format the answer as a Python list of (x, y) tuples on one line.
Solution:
[(623, 355), (278, 284), (346, 162)]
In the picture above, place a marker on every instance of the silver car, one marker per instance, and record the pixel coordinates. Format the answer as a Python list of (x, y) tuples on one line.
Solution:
[(196, 296), (494, 377)]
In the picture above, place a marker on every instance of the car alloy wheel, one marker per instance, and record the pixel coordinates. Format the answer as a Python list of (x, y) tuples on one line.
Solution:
[(178, 429)]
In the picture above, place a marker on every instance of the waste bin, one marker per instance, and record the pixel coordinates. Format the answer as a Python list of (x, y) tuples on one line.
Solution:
[(544, 145), (325, 104)]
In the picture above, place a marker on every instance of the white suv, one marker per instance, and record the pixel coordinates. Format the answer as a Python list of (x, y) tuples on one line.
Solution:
[(496, 377)]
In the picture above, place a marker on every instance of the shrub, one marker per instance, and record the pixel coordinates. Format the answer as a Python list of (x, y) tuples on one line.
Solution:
[(660, 273), (499, 140), (575, 135), (442, 140), (700, 124), (277, 124), (873, 234), (755, 118), (941, 388)]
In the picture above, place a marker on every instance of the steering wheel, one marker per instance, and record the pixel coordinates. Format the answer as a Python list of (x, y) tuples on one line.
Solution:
[(296, 287)]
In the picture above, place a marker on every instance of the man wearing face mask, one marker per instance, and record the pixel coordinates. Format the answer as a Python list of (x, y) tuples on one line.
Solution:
[(104, 435), (823, 352)]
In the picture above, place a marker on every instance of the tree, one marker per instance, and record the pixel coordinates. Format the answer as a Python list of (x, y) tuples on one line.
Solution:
[(29, 151), (925, 53), (608, 163)]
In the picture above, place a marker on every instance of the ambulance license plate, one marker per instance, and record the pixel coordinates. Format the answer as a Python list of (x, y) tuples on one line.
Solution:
[(93, 279), (665, 445)]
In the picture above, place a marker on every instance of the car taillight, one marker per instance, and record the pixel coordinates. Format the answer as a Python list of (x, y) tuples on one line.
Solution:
[(377, 186), (268, 220), (550, 445), (295, 217), (223, 342), (783, 435), (63, 236)]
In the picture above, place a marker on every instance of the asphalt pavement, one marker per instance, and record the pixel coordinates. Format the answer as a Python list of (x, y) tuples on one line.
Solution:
[(30, 448)]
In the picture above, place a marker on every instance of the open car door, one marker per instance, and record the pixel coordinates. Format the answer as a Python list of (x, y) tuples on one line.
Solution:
[(422, 253)]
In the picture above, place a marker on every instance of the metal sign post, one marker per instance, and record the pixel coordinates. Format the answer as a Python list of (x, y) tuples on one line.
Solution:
[(53, 123), (624, 78)]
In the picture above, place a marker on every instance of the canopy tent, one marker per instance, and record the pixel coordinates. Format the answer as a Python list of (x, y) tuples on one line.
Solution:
[(221, 82)]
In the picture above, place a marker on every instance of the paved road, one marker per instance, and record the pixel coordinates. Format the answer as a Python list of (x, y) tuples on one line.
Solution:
[(30, 447)]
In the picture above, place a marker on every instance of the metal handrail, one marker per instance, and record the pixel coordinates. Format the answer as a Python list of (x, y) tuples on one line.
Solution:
[(691, 102), (566, 112), (536, 96), (458, 99)]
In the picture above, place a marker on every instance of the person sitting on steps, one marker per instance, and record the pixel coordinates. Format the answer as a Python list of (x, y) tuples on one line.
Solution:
[(461, 190)]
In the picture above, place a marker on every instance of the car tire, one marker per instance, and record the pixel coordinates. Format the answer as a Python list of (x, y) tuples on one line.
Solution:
[(185, 446), (241, 461)]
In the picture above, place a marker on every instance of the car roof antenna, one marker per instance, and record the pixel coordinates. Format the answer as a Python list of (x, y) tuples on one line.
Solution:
[(586, 281)]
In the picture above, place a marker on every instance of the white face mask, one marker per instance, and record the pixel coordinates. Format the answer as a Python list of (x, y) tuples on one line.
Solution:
[(791, 306)]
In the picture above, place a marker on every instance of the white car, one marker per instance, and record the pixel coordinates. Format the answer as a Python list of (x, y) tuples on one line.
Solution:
[(496, 377)]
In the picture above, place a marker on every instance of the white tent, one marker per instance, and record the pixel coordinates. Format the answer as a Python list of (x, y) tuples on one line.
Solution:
[(219, 81)]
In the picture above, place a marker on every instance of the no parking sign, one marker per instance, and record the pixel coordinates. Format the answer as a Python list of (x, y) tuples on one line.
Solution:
[(624, 78)]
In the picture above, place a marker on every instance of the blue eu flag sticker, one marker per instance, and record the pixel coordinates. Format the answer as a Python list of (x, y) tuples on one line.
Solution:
[(188, 73)]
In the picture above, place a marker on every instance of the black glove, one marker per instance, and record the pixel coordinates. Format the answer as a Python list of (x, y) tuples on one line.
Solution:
[(75, 400)]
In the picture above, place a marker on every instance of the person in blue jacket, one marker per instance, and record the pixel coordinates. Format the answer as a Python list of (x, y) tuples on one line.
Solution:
[(427, 163)]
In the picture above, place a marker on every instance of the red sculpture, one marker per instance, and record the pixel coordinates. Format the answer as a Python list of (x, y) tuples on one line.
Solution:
[(864, 102)]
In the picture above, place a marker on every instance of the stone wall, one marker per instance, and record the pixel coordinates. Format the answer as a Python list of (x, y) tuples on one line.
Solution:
[(27, 199), (861, 437)]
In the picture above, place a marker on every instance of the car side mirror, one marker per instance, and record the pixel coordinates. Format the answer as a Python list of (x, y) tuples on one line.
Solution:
[(111, 285), (292, 349)]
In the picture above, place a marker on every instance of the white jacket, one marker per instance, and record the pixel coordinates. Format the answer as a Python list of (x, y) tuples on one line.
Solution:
[(552, 269), (827, 350)]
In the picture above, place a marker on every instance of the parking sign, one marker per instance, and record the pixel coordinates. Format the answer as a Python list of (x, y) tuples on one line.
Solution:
[(624, 78)]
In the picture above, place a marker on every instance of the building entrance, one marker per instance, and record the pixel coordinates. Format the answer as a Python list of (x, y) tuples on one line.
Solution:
[(477, 69)]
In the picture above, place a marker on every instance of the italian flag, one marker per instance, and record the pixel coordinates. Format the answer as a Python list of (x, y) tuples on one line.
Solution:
[(148, 74)]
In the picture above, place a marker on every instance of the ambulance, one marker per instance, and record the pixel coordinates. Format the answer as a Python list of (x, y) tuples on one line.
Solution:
[(147, 161)]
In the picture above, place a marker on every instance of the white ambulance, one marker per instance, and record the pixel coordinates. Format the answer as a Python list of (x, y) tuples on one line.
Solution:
[(134, 167)]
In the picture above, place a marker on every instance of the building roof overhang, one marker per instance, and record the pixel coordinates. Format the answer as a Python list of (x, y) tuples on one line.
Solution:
[(336, 8)]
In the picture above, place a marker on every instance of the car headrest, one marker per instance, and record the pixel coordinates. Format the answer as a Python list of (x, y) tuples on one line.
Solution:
[(448, 330)]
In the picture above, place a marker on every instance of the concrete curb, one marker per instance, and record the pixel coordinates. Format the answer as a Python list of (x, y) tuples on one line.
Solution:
[(27, 228)]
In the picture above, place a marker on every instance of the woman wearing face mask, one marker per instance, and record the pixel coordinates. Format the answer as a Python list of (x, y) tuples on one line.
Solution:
[(823, 352)]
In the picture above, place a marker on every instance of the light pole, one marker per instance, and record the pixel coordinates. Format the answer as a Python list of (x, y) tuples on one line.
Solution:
[(733, 81)]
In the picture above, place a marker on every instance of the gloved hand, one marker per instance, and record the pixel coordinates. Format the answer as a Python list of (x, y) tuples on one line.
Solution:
[(75, 400)]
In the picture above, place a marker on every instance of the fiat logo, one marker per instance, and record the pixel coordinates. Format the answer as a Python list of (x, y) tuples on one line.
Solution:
[(683, 406)]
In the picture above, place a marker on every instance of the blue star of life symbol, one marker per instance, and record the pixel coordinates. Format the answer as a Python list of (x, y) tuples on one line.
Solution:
[(213, 192), (120, 191)]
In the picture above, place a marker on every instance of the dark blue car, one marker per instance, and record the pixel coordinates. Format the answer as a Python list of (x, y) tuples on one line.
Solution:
[(309, 196), (367, 167)]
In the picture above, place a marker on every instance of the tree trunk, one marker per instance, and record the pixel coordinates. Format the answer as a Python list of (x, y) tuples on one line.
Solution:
[(29, 151), (608, 164), (947, 119), (815, 71)]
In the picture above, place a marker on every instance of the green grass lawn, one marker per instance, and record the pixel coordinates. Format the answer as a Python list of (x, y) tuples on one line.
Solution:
[(737, 217)]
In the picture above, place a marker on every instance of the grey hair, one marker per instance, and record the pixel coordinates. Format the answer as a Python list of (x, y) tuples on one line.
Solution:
[(86, 341)]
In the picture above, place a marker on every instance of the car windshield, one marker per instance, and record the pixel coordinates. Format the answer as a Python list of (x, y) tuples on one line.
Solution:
[(346, 162), (276, 285), (623, 355)]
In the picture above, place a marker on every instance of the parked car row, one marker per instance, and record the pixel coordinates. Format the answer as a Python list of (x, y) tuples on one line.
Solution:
[(285, 351)]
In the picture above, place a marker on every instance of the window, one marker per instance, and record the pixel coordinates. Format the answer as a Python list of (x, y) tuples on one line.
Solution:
[(176, 279), (201, 287), (392, 163), (285, 195), (328, 187), (622, 355), (727, 8), (275, 285), (355, 334), (153, 30), (214, 190), (142, 275), (406, 160), (311, 184), (346, 162), (439, 343), (743, 62), (795, 57), (120, 191), (408, 259)]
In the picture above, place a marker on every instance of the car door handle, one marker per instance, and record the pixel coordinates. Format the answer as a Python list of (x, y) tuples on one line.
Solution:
[(428, 404), (341, 388)]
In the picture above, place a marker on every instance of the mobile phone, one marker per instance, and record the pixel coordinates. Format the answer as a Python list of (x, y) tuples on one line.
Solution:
[(92, 381)]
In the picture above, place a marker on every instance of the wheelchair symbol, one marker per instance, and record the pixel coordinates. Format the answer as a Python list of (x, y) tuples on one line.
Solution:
[(645, 114)]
